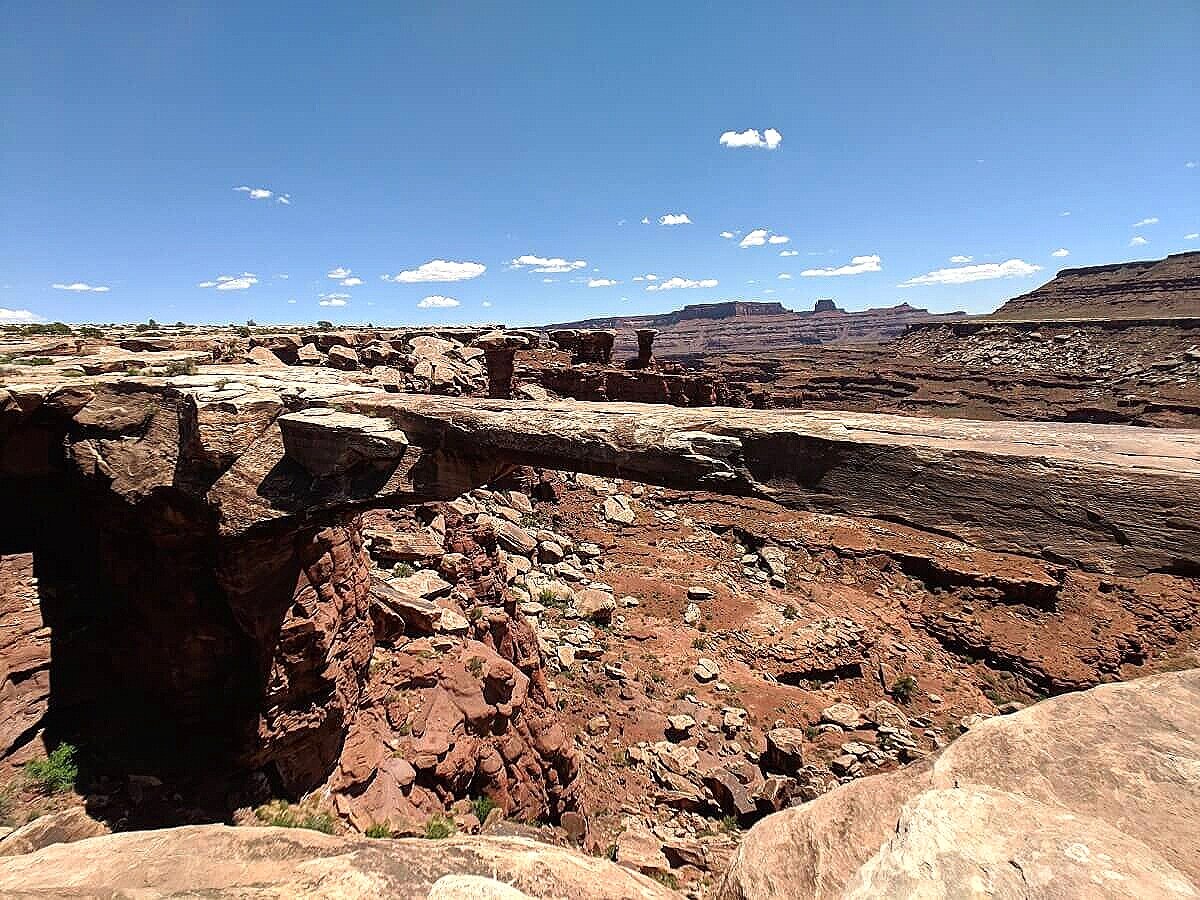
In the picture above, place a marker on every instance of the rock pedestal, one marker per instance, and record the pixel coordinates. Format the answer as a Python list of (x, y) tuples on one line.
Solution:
[(645, 338), (499, 353)]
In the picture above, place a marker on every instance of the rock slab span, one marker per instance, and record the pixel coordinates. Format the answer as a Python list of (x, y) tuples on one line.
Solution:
[(1093, 794), (217, 861)]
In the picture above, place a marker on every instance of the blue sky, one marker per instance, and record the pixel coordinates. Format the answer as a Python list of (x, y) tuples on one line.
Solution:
[(477, 134)]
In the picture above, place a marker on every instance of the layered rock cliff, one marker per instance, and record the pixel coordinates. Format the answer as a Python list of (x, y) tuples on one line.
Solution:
[(1149, 289)]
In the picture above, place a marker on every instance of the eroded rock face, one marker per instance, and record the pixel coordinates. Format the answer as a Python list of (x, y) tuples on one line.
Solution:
[(1094, 792), (222, 862)]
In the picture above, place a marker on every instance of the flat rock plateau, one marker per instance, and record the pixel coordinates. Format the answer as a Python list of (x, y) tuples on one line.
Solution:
[(891, 605)]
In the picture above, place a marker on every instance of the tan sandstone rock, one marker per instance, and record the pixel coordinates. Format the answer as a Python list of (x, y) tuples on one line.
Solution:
[(1089, 794), (220, 862)]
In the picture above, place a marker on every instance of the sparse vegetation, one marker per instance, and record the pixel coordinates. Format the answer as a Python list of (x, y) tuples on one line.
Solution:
[(475, 666), (280, 814), (379, 831), (37, 361), (56, 773), (666, 879), (402, 570), (439, 826)]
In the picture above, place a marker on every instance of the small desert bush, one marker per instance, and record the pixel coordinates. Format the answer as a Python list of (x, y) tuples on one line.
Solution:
[(56, 773), (482, 806), (439, 826), (904, 687)]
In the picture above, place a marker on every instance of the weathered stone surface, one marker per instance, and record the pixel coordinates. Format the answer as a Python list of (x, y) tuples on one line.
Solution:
[(1097, 789), (221, 862), (63, 827)]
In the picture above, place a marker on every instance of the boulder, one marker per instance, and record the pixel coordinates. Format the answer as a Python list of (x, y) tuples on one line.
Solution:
[(63, 827), (343, 358), (785, 750)]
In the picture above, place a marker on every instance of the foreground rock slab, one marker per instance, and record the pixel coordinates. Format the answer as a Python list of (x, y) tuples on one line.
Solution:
[(217, 861), (1094, 794)]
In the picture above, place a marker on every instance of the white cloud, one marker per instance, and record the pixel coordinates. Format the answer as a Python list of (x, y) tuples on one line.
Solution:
[(649, 276), (231, 282), (352, 281), (80, 286), (437, 302), (285, 199), (1012, 268), (645, 220), (486, 304), (553, 265), (1152, 220), (769, 139), (675, 283), (283, 275), (339, 272), (755, 238), (1195, 235), (785, 276), (601, 282), (674, 219), (291, 301), (17, 315), (1138, 241), (1061, 251), (333, 299), (961, 259), (1191, 164), (439, 270), (728, 235), (789, 252), (858, 265), (760, 236), (257, 193), (1065, 212)]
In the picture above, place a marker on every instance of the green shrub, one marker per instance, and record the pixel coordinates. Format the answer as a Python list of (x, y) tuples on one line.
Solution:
[(482, 806), (180, 367), (439, 826), (37, 361), (402, 570), (55, 773), (379, 831), (904, 687)]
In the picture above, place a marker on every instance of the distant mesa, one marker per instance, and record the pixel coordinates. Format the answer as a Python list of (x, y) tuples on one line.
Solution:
[(1153, 288), (757, 325)]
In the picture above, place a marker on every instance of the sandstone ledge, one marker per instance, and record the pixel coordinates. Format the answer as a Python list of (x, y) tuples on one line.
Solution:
[(217, 861)]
